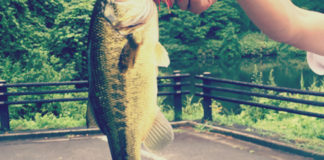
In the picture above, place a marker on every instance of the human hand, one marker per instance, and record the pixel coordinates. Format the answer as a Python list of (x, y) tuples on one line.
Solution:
[(195, 6)]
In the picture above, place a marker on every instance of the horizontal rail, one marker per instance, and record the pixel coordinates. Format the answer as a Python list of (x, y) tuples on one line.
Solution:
[(44, 92), (36, 84), (280, 89), (86, 90), (45, 101), (184, 75), (311, 114), (78, 99), (237, 91), (173, 93), (45, 84), (174, 84)]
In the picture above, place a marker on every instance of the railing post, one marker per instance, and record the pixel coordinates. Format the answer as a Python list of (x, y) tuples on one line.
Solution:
[(177, 98), (207, 100), (4, 114)]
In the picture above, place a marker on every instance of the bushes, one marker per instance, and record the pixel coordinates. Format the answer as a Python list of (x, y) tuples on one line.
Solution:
[(255, 44), (69, 35), (28, 44), (210, 34), (52, 115), (303, 131)]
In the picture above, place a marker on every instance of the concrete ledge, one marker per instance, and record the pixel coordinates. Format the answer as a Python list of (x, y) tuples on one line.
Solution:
[(48, 133), (261, 141), (236, 134)]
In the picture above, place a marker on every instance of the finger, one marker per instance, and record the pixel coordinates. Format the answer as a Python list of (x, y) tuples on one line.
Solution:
[(172, 2), (198, 6), (183, 4), (169, 2)]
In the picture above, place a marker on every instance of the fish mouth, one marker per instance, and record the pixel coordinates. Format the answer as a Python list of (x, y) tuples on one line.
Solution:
[(126, 16)]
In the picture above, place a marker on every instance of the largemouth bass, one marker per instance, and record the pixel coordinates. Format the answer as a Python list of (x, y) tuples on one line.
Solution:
[(124, 53)]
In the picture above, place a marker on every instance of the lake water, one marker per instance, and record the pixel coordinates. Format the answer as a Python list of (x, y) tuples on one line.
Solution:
[(287, 71)]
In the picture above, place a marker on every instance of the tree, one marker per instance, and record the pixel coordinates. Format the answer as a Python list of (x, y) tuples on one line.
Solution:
[(69, 35)]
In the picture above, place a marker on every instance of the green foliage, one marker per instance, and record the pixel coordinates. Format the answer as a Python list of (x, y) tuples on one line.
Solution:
[(40, 37), (316, 5), (14, 19), (166, 109), (253, 44), (304, 131), (69, 35), (54, 33), (202, 128), (53, 115), (192, 110), (222, 31), (254, 113), (48, 121), (66, 109), (28, 40), (24, 42), (210, 34)]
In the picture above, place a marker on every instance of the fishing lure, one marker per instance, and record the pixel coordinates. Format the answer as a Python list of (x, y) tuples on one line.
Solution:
[(167, 2)]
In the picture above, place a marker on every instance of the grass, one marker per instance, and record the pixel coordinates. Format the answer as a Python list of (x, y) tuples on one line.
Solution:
[(48, 121), (301, 131)]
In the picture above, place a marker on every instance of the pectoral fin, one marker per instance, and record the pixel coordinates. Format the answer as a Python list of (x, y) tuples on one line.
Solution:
[(128, 54), (162, 57), (160, 135)]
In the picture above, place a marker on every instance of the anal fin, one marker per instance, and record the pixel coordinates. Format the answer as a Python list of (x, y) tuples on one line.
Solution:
[(160, 135)]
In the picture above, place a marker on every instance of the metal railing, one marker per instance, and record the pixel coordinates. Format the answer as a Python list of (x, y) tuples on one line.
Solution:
[(207, 89), (175, 84)]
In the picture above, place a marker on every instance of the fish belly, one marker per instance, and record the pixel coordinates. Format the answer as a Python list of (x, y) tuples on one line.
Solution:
[(141, 108)]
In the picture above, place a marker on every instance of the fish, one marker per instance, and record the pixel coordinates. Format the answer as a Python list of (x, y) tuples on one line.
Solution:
[(124, 53)]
